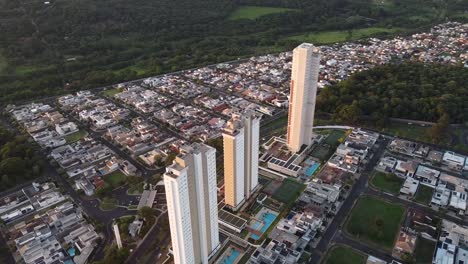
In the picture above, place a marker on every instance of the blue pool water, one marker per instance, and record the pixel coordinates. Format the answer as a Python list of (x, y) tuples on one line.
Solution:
[(231, 258), (311, 169), (267, 218), (256, 225)]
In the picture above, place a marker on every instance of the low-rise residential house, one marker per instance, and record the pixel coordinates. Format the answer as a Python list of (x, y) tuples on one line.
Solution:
[(454, 160), (328, 192), (458, 201), (421, 151), (403, 146), (441, 195), (387, 164), (128, 168), (406, 168), (427, 176), (300, 222), (410, 187), (85, 185), (452, 244), (274, 252), (66, 128)]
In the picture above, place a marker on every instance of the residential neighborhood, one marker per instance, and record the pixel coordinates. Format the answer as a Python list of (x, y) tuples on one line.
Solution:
[(121, 160)]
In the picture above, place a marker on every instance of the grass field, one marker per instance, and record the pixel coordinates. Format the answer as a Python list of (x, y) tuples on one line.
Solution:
[(321, 152), (136, 189), (342, 254), (252, 12), (328, 37), (76, 136), (375, 221), (108, 204), (387, 182), (115, 178), (408, 131), (334, 136), (424, 194), (111, 92), (288, 191), (424, 250)]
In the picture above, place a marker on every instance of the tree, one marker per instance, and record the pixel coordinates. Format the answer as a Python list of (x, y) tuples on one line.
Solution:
[(113, 255), (438, 131), (146, 212), (169, 159)]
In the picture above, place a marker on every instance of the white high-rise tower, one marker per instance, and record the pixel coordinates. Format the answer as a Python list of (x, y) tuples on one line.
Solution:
[(303, 92), (191, 194), (241, 139)]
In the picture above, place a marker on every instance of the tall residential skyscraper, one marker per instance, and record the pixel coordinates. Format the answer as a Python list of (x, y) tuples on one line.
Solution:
[(241, 138), (191, 195), (304, 78)]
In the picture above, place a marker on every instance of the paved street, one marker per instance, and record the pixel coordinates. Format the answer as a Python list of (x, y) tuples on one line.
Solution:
[(144, 246), (329, 237)]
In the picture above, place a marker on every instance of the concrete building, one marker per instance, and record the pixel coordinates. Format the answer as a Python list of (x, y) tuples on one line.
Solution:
[(191, 195), (241, 138), (303, 91)]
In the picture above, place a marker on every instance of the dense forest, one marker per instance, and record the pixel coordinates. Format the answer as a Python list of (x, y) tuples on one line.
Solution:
[(47, 47), (19, 161), (429, 92)]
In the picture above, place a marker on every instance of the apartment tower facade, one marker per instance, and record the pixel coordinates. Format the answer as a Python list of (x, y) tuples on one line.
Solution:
[(303, 92), (241, 138), (191, 194)]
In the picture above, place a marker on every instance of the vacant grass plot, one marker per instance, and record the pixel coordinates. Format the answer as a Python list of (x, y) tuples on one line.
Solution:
[(334, 136), (387, 182), (415, 132), (328, 37), (252, 12), (375, 221), (321, 152), (76, 136), (342, 254), (424, 250), (288, 191), (424, 194), (115, 178), (111, 92)]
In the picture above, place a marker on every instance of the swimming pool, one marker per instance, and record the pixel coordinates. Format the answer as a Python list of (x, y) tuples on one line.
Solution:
[(311, 169), (230, 256), (267, 219)]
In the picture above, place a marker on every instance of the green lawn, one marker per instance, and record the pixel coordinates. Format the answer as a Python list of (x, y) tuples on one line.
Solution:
[(108, 204), (424, 250), (111, 92), (321, 152), (252, 12), (288, 191), (76, 136), (334, 136), (375, 221), (387, 182), (409, 131), (136, 189), (115, 178), (342, 254), (424, 194), (327, 37)]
